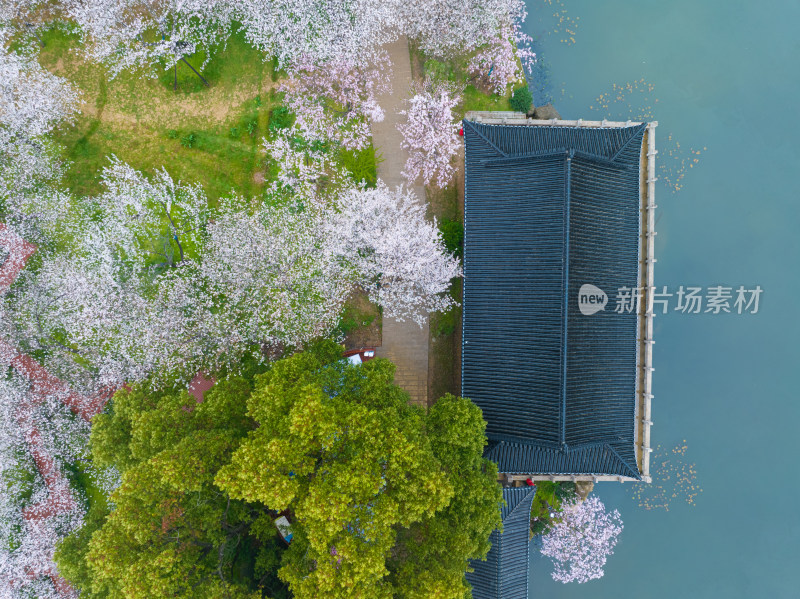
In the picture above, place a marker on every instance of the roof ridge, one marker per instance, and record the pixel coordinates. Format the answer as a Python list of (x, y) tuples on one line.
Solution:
[(633, 136), (502, 160), (521, 501), (562, 415), (600, 159), (634, 472), (474, 127)]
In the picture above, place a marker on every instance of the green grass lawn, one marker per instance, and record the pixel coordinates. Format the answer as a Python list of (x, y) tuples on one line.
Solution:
[(475, 99), (210, 135)]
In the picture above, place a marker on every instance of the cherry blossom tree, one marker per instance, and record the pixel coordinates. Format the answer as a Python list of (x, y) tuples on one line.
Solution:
[(581, 540), (38, 436), (26, 166), (276, 278), (119, 320), (318, 32), (300, 164), (398, 256), (430, 134), (155, 216), (32, 100), (32, 103), (445, 28), (336, 100), (261, 279), (499, 61), (149, 34), (11, 10), (27, 15), (121, 272)]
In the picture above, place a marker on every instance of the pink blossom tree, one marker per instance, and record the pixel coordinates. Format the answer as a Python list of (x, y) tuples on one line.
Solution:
[(430, 134), (444, 28), (500, 59), (581, 540), (336, 100)]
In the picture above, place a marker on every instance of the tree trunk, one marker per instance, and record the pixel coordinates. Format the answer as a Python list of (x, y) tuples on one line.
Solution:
[(203, 79), (32, 27)]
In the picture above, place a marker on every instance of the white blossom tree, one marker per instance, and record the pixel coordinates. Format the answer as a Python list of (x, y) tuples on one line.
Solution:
[(430, 134), (121, 273), (32, 100), (38, 436), (318, 32), (150, 216), (32, 103), (396, 254), (150, 284), (336, 100), (150, 34), (27, 15), (581, 540), (13, 10), (27, 167), (300, 164), (113, 318), (276, 280), (262, 279)]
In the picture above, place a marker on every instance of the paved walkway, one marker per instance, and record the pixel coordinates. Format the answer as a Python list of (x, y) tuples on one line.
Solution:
[(404, 343)]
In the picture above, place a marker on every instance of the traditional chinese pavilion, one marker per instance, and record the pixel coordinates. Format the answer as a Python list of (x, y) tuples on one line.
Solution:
[(551, 207)]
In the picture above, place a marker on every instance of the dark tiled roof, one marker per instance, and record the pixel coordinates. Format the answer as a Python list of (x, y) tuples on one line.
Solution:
[(504, 573), (548, 209), (601, 458)]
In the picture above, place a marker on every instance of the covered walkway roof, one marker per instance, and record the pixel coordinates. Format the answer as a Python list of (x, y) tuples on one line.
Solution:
[(504, 573)]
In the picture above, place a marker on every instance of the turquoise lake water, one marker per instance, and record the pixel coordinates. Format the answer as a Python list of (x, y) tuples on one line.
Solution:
[(722, 79)]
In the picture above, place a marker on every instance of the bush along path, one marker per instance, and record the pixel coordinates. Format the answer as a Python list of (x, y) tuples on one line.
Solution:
[(40, 520)]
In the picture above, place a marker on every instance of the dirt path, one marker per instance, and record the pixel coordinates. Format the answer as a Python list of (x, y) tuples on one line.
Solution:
[(404, 343)]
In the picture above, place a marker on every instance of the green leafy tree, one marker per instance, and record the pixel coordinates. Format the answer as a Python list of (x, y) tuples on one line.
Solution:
[(430, 557), (171, 531), (387, 500)]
